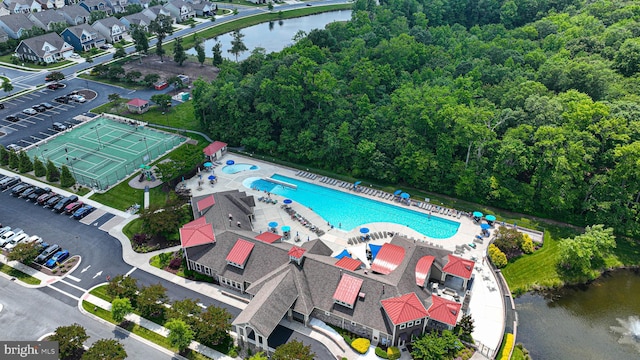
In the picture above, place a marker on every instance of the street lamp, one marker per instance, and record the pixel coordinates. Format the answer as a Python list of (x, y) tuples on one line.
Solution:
[(147, 147), (98, 135)]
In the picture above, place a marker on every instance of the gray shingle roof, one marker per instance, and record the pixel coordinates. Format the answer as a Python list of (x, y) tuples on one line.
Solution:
[(137, 18), (36, 43), (109, 22), (74, 11), (15, 22), (78, 29), (49, 16)]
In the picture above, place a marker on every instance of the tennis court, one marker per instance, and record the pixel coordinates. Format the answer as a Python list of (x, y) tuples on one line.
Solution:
[(102, 152)]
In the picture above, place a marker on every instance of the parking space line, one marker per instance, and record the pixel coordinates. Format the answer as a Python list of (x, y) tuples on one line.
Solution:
[(130, 271), (30, 122), (20, 125), (45, 134), (64, 292)]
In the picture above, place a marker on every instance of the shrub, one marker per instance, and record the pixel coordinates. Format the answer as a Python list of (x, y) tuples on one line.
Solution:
[(381, 353), (498, 258), (393, 353), (361, 345), (508, 346), (175, 263), (140, 239), (527, 244)]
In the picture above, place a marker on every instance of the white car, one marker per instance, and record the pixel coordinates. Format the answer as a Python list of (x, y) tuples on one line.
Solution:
[(75, 56), (78, 98), (29, 111), (15, 241)]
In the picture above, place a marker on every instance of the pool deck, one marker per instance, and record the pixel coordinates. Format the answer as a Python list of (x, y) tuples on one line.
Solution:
[(486, 305)]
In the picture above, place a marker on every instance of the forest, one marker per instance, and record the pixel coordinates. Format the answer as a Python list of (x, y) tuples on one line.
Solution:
[(528, 105)]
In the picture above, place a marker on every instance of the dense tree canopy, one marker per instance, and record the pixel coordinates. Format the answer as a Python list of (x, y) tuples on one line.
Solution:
[(508, 103)]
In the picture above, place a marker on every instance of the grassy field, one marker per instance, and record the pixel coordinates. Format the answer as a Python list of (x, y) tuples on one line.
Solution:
[(28, 279), (7, 59), (132, 228), (122, 196), (180, 116), (101, 292)]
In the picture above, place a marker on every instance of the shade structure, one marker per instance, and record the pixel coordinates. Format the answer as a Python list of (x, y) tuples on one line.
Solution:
[(344, 253), (230, 162), (490, 218), (212, 177), (142, 166), (374, 250), (286, 228), (405, 195), (485, 226), (397, 192), (273, 224), (357, 183), (477, 214), (208, 164), (287, 201), (364, 230)]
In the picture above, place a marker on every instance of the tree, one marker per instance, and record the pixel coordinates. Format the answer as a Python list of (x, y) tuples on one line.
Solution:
[(259, 356), (133, 76), (6, 85), (53, 174), (180, 334), (123, 287), (104, 349), (161, 26), (70, 339), (162, 100), (97, 15), (627, 58), (186, 310), (120, 52), (66, 178), (114, 97), (150, 79), (436, 346), (55, 76), (120, 308), (24, 162), (466, 327), (217, 54), (270, 6), (151, 300), (157, 221), (39, 170), (88, 59), (140, 40), (24, 252), (582, 256), (237, 45), (179, 55), (4, 156), (293, 350), (214, 325), (202, 56), (14, 160)]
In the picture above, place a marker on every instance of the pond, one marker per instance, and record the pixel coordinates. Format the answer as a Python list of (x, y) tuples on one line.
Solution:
[(598, 321), (273, 36)]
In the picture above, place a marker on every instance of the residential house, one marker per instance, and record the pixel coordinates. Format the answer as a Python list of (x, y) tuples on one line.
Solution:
[(97, 5), (407, 287), (75, 14), (138, 19), (48, 48), (51, 4), (111, 29), (48, 20), (180, 10), (83, 37), (22, 6), (4, 11), (204, 8), (144, 3), (152, 12), (118, 6), (3, 36), (15, 25)]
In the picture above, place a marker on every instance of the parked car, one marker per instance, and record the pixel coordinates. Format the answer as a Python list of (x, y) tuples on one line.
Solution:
[(57, 126), (35, 239), (78, 98), (39, 108), (62, 99), (29, 111), (4, 230), (83, 211), (14, 147), (42, 199), (60, 205), (9, 235), (9, 182), (12, 118), (75, 56), (15, 241), (19, 189), (33, 193), (55, 86), (47, 105), (56, 258), (72, 207), (46, 253), (53, 201)]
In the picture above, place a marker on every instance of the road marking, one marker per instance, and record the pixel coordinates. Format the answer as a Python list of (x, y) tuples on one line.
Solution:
[(97, 274), (85, 269), (72, 278), (64, 292), (72, 285), (130, 271)]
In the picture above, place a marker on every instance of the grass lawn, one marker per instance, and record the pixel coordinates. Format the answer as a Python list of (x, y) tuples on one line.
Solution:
[(19, 275), (132, 228), (180, 116), (101, 292), (122, 196), (517, 354), (124, 84), (7, 59)]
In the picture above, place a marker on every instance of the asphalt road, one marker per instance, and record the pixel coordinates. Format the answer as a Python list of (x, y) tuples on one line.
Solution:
[(28, 315)]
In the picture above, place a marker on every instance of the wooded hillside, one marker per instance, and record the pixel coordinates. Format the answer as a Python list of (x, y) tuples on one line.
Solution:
[(457, 97)]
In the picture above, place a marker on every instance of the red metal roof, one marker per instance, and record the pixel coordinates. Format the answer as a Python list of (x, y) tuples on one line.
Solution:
[(296, 252), (444, 311), (388, 259), (137, 102), (422, 269), (348, 289), (349, 263), (214, 147), (240, 252), (268, 237), (404, 308), (206, 203), (197, 232), (459, 267)]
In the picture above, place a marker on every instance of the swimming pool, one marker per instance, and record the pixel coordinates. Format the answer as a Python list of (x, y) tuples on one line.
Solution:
[(352, 211), (236, 168)]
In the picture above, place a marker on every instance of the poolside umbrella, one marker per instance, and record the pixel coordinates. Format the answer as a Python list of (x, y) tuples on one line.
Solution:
[(484, 226), (208, 164), (230, 162), (405, 195), (273, 224), (477, 214), (490, 218), (357, 183), (287, 201), (364, 230), (397, 192), (343, 253), (212, 177)]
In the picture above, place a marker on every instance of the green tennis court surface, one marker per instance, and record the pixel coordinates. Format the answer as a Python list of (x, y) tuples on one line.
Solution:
[(102, 152)]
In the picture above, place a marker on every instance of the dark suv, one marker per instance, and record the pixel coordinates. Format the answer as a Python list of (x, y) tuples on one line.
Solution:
[(47, 253), (20, 188), (60, 205), (9, 182), (53, 201), (42, 199)]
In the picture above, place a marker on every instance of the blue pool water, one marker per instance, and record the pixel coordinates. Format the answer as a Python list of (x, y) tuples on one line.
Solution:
[(236, 168), (352, 211)]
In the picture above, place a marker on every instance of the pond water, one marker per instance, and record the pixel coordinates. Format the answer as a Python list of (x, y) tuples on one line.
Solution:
[(587, 322), (273, 36)]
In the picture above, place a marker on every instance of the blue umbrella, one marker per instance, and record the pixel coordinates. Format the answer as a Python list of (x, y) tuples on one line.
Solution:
[(230, 162), (405, 195), (485, 226), (397, 192), (364, 230), (273, 224), (477, 214), (287, 201), (208, 164), (212, 177), (490, 218), (286, 228), (357, 183)]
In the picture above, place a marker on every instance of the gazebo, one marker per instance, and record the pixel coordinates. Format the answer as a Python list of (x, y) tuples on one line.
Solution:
[(138, 106), (215, 150)]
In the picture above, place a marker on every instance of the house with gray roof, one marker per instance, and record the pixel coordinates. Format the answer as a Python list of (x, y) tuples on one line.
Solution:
[(111, 29), (138, 19), (118, 6), (3, 35), (47, 48), (97, 5), (75, 14), (152, 12), (204, 8), (48, 20), (180, 10), (406, 288), (82, 37), (15, 25), (22, 6)]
